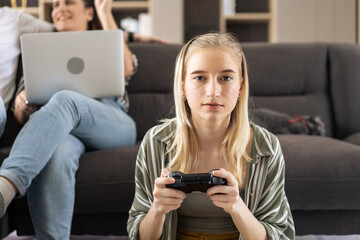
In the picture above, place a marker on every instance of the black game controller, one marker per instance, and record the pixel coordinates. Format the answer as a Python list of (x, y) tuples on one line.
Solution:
[(195, 182)]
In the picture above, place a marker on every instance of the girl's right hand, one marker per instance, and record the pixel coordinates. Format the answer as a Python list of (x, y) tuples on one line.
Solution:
[(166, 199)]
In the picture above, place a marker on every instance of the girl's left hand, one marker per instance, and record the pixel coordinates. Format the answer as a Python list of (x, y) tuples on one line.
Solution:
[(226, 196)]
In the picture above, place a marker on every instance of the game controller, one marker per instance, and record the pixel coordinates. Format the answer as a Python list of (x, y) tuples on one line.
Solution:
[(195, 182)]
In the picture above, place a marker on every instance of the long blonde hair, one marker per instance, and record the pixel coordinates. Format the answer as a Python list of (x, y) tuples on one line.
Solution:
[(185, 146)]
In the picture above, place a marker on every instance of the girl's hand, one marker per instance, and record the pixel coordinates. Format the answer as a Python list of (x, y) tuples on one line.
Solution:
[(166, 199), (226, 196)]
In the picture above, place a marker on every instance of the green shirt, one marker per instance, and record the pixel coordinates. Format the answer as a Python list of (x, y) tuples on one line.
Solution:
[(264, 187)]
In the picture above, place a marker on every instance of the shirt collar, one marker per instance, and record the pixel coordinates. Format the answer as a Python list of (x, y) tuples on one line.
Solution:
[(261, 144), (166, 132)]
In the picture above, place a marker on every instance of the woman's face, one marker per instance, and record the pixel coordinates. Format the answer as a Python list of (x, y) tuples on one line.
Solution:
[(212, 84), (71, 15)]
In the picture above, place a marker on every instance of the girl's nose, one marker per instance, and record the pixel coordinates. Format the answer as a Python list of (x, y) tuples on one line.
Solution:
[(213, 89)]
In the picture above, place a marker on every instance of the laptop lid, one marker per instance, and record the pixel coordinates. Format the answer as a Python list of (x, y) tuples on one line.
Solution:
[(89, 62)]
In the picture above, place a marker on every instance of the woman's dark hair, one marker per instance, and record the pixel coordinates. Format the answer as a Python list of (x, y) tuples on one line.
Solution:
[(95, 23)]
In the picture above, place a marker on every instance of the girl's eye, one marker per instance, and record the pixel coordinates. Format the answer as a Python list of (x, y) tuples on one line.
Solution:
[(56, 4), (226, 78), (199, 78)]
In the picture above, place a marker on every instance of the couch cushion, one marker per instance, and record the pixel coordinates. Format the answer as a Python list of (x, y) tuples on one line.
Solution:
[(321, 173), (105, 181)]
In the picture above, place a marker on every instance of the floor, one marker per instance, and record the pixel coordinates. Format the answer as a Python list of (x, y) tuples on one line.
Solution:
[(13, 236), (322, 237)]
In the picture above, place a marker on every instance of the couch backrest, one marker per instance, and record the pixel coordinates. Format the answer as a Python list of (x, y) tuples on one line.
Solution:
[(290, 78), (150, 89)]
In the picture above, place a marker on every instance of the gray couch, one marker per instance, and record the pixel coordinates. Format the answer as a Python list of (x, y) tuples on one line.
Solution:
[(322, 173)]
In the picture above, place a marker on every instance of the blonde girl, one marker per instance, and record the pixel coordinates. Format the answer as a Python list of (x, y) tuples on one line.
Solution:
[(211, 130)]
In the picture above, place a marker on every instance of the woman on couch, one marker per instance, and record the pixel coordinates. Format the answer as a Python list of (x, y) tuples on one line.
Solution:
[(211, 130), (45, 155)]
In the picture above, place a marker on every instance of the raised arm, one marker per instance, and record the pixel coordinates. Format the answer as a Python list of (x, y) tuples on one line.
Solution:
[(103, 10)]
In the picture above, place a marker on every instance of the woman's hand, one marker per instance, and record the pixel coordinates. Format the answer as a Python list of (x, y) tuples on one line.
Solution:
[(226, 196), (103, 7), (166, 199), (22, 110), (150, 39), (104, 12)]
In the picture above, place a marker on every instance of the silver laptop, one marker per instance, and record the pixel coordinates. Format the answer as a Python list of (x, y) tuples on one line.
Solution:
[(89, 62)]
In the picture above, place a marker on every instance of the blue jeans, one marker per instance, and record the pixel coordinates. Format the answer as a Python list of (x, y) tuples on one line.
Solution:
[(2, 116), (45, 154)]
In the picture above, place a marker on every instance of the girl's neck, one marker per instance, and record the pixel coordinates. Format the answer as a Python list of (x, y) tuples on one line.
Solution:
[(210, 134)]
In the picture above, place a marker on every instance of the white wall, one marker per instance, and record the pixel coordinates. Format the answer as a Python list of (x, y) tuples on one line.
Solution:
[(297, 20), (316, 20), (168, 19)]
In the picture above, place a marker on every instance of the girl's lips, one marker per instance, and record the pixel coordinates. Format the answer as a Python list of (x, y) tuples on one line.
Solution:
[(212, 105)]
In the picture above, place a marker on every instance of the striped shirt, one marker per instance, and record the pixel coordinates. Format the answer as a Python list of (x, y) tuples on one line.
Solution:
[(264, 187)]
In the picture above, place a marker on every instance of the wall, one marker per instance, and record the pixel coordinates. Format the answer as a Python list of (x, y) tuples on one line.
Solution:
[(168, 20), (316, 20), (297, 20)]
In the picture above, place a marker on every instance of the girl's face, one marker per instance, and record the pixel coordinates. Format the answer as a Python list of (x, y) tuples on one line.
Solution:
[(212, 84), (71, 15)]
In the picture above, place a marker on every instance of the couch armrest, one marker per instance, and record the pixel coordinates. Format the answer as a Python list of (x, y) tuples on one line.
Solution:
[(344, 60)]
